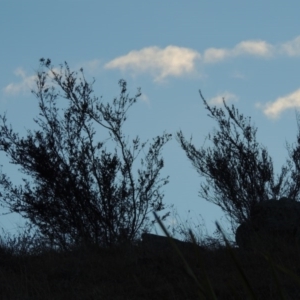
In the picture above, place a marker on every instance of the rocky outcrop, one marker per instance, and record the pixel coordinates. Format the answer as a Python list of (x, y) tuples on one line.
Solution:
[(270, 220)]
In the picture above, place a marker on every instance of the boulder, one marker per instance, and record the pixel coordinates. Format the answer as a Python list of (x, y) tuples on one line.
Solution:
[(270, 221)]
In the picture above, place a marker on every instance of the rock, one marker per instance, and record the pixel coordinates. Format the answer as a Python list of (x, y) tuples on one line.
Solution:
[(269, 221), (243, 234), (159, 243)]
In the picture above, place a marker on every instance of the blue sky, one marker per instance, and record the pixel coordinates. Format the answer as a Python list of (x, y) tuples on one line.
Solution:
[(247, 52)]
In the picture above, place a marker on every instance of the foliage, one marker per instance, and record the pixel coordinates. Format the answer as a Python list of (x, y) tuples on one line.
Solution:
[(294, 154), (238, 170), (31, 271), (81, 192)]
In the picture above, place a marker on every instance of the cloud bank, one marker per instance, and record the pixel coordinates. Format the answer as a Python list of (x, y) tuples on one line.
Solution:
[(173, 61), (179, 61)]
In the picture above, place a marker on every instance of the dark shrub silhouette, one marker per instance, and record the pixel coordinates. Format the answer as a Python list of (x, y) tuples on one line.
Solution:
[(81, 192), (237, 168)]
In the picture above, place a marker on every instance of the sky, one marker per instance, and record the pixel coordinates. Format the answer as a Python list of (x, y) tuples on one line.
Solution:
[(246, 52)]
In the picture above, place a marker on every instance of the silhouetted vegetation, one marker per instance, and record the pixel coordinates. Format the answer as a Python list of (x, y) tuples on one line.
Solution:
[(90, 209), (136, 272), (237, 168), (80, 192)]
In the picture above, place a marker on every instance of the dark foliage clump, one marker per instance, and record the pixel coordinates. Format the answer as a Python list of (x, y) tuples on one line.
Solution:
[(81, 192), (237, 168)]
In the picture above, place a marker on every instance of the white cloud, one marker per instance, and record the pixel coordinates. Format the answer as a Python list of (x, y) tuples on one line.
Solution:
[(251, 47), (26, 85), (213, 55), (256, 48), (218, 100), (170, 61), (275, 108), (291, 48)]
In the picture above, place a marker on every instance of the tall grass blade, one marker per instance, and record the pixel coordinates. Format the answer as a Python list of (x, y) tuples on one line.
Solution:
[(243, 277), (278, 285), (208, 293)]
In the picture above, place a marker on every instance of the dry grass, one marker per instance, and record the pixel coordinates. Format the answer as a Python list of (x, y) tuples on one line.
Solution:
[(135, 272)]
